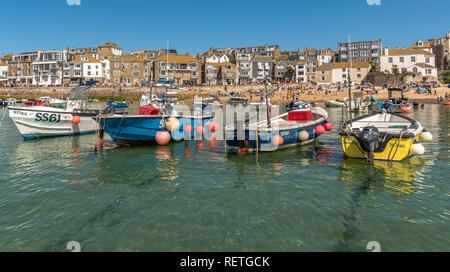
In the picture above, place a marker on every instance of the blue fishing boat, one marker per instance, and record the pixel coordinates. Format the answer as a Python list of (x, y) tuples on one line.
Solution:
[(117, 105), (138, 129), (298, 127)]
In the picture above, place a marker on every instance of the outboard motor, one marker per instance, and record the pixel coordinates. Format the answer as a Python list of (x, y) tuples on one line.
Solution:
[(369, 138)]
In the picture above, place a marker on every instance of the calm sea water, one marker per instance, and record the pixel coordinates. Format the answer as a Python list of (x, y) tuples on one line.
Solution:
[(190, 196)]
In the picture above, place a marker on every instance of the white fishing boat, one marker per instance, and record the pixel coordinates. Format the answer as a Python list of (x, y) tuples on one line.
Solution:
[(42, 121), (334, 104), (53, 102)]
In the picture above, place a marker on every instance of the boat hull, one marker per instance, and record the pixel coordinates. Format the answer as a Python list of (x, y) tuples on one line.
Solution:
[(353, 149), (140, 129), (261, 141), (42, 122)]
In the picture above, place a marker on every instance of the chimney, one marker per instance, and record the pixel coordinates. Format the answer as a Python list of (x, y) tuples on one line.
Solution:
[(386, 51)]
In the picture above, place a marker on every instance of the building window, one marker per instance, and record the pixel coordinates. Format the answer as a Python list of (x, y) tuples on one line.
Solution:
[(413, 59), (391, 60), (427, 60), (402, 59)]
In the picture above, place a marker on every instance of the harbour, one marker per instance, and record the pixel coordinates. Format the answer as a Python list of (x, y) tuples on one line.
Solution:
[(194, 196), (236, 136)]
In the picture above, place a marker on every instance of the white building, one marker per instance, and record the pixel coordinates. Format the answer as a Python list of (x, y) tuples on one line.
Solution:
[(408, 59), (300, 72), (324, 56), (217, 59), (3, 73), (48, 67)]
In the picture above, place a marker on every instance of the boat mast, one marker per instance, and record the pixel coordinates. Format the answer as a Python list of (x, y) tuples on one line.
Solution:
[(349, 80), (267, 95)]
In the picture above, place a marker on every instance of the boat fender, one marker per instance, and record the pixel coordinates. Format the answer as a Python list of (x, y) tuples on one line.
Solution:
[(328, 126), (320, 130), (426, 136), (303, 135), (200, 129), (162, 137), (418, 149), (213, 126), (172, 124), (76, 120), (188, 129), (277, 140), (177, 136)]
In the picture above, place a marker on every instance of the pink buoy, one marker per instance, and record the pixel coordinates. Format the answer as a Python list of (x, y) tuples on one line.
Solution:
[(188, 129), (328, 126), (213, 126), (76, 120), (200, 129), (277, 140), (320, 130), (162, 137)]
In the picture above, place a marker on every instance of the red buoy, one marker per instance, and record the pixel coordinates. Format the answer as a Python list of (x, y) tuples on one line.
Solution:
[(188, 129), (76, 120), (162, 137), (213, 126), (320, 130), (200, 129), (277, 140), (404, 109), (328, 126)]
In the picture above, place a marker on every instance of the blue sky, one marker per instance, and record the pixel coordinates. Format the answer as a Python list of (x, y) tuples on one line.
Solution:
[(193, 26)]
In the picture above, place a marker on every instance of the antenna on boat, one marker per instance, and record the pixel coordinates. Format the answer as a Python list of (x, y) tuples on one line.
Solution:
[(349, 80), (267, 95)]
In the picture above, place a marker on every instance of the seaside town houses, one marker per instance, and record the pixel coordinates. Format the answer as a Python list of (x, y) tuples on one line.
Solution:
[(339, 72), (418, 61), (360, 51), (48, 67), (20, 69), (4, 62), (219, 70), (129, 69), (109, 65), (180, 69), (83, 68)]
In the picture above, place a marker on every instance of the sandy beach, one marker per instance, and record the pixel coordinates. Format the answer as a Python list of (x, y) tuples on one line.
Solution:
[(251, 92)]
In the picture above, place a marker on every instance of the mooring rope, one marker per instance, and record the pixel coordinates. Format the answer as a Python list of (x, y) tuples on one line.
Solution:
[(4, 114), (398, 144)]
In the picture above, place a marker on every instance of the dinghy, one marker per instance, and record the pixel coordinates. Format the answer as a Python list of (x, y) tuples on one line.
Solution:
[(334, 104), (383, 136)]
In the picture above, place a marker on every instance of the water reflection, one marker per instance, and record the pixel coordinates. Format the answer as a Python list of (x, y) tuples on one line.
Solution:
[(397, 177)]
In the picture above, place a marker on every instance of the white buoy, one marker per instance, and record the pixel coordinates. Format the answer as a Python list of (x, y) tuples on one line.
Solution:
[(426, 136), (418, 149), (303, 135), (172, 124)]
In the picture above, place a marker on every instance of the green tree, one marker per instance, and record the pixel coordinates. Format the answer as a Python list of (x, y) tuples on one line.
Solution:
[(445, 77), (290, 72), (395, 70), (374, 66)]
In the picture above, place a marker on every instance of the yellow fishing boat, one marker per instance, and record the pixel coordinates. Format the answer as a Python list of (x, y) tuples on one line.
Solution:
[(383, 136)]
